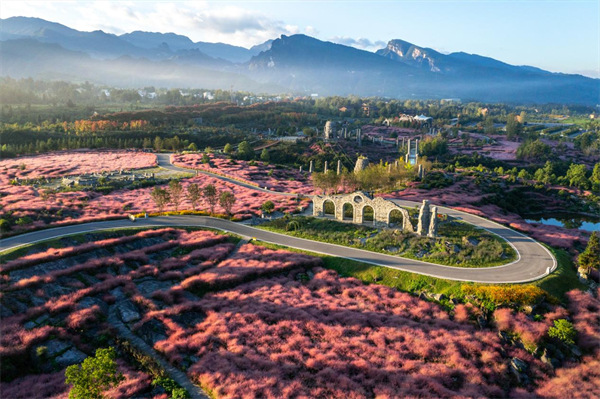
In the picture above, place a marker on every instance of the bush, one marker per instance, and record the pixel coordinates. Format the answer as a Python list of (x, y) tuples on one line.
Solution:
[(564, 331), (506, 294), (94, 375)]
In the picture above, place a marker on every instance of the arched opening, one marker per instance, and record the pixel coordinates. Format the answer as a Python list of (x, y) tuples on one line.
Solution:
[(395, 218), (328, 208), (368, 215), (348, 211)]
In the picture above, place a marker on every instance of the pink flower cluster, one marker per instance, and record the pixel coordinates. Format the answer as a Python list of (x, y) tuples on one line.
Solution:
[(282, 180)]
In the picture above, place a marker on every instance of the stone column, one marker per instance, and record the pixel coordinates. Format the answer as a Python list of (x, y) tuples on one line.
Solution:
[(311, 167), (433, 223), (339, 167), (325, 169), (300, 168), (423, 218), (420, 172)]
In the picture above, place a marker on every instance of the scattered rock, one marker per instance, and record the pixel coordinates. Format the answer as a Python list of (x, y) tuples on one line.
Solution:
[(117, 293), (421, 253), (518, 368), (72, 356), (575, 351), (152, 331), (88, 302), (128, 312), (55, 347), (481, 321), (519, 365), (439, 297)]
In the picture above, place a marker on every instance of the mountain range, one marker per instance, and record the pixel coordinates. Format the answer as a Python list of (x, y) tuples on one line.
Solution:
[(300, 64)]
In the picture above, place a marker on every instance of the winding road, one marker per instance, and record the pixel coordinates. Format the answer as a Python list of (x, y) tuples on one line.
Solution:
[(534, 260)]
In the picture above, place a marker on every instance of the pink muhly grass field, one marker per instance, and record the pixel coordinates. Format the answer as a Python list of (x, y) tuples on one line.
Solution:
[(334, 337), (68, 163), (284, 180)]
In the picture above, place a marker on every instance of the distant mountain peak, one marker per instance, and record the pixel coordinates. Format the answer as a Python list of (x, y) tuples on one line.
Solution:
[(411, 54)]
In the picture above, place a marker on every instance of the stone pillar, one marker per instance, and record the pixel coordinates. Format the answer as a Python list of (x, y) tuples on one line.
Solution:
[(397, 141), (339, 210), (423, 218), (311, 167), (433, 222), (300, 168), (396, 164), (389, 168), (361, 164), (339, 167), (317, 207), (420, 172), (325, 169)]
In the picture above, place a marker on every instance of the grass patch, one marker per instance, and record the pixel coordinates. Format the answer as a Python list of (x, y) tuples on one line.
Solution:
[(460, 244), (564, 278)]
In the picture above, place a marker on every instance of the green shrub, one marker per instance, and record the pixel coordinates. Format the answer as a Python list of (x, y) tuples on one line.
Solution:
[(563, 330), (95, 375)]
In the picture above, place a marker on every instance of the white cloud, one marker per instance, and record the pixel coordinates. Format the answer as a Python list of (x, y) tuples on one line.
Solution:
[(361, 43), (201, 21)]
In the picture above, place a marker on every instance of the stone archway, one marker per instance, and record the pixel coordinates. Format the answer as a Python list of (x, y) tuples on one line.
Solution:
[(329, 208), (368, 214), (395, 217), (348, 211), (380, 209)]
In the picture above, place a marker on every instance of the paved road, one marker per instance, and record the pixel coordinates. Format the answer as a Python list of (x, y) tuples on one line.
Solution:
[(533, 262), (164, 161)]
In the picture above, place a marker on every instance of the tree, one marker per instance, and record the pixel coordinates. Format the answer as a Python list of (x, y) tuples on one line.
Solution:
[(226, 200), (211, 196), (595, 178), (158, 143), (589, 259), (228, 149), (524, 175), (194, 193), (563, 330), (245, 151), (95, 375), (577, 176), (268, 207), (488, 126), (546, 174), (161, 197), (264, 155), (176, 193), (192, 147), (205, 158), (513, 127)]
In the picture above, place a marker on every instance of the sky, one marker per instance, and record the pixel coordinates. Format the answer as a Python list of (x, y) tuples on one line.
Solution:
[(559, 36)]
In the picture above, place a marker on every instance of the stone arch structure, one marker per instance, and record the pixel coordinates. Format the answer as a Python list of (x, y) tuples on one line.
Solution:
[(359, 200), (335, 207)]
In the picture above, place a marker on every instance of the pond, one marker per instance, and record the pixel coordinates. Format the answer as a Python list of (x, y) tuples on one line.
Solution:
[(569, 221)]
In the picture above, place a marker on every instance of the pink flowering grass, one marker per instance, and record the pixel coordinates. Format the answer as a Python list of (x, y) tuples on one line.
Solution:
[(332, 337), (81, 207), (283, 180), (68, 163)]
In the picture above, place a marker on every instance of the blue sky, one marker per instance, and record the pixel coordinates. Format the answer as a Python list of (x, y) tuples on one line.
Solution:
[(561, 36)]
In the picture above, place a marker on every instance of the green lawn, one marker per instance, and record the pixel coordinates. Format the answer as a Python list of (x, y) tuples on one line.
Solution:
[(460, 244)]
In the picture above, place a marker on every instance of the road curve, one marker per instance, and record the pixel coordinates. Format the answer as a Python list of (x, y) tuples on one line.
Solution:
[(533, 263)]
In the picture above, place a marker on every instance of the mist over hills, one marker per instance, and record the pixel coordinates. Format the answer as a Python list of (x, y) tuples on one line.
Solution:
[(32, 47)]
